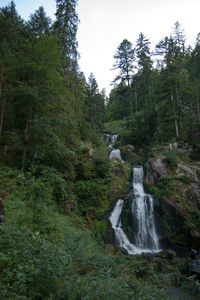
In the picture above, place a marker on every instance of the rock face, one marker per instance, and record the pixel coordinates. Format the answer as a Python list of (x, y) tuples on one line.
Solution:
[(155, 169), (180, 207), (110, 234)]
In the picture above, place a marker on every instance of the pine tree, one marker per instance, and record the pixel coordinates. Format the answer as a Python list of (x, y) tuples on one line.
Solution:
[(124, 59), (65, 27), (39, 23)]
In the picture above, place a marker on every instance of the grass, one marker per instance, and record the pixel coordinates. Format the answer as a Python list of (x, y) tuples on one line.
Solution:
[(114, 126)]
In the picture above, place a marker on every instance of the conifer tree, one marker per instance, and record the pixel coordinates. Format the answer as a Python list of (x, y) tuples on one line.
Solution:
[(39, 23), (65, 27), (124, 59)]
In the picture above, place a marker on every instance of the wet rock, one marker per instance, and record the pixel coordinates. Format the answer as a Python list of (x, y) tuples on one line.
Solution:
[(110, 233)]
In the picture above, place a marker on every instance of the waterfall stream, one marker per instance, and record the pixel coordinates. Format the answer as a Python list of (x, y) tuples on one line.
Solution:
[(144, 234), (115, 153)]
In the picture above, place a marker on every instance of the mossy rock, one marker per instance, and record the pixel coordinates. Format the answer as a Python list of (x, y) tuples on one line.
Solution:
[(168, 254)]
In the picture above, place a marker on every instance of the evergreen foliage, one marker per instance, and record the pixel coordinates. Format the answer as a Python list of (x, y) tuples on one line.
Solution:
[(56, 181), (161, 102)]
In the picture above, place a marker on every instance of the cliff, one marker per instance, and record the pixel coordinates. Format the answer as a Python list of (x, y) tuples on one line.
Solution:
[(174, 179)]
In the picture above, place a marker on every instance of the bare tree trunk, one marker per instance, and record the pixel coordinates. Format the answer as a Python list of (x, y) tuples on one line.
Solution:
[(174, 113), (173, 105), (178, 101)]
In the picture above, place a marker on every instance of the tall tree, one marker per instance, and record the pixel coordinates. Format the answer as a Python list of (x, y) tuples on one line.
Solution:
[(145, 64), (95, 103), (66, 26), (39, 23), (124, 60)]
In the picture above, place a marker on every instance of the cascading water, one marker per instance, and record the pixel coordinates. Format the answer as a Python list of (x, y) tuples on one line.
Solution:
[(114, 137), (115, 153), (143, 214), (142, 211)]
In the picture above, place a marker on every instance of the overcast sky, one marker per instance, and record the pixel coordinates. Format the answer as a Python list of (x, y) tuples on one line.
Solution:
[(105, 23)]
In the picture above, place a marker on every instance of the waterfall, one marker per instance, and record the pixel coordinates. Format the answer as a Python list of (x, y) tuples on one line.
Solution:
[(115, 153), (120, 235), (143, 214), (107, 138), (142, 211), (114, 137)]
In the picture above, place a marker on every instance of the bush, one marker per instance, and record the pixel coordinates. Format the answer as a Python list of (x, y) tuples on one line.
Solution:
[(91, 193), (171, 159)]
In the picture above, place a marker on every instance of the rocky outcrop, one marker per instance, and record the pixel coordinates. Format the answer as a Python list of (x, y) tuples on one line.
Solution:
[(154, 170), (110, 233), (188, 170), (181, 204)]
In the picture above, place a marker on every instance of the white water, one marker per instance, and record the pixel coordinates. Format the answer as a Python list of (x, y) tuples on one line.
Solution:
[(114, 137), (146, 239), (143, 213), (116, 154)]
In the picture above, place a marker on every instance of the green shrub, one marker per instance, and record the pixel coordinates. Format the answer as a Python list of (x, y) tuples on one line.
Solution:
[(171, 159), (90, 193), (184, 179)]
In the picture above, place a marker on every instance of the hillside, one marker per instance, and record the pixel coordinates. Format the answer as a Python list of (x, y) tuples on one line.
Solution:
[(59, 185)]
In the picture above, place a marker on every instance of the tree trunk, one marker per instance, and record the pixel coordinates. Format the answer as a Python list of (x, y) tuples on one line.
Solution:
[(179, 106), (174, 113), (173, 105)]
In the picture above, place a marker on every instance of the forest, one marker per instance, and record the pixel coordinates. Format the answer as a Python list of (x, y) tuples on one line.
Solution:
[(57, 183)]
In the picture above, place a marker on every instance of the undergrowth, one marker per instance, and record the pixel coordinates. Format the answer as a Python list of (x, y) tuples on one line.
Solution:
[(45, 254)]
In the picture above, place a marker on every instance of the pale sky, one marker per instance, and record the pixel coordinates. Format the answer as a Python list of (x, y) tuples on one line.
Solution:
[(105, 23)]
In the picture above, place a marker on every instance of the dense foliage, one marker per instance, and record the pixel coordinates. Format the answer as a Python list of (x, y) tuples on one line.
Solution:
[(56, 181), (160, 100)]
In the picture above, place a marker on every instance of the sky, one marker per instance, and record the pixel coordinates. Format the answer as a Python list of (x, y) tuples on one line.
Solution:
[(104, 24)]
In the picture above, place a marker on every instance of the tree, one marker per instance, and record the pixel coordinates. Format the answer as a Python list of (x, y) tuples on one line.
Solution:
[(65, 27), (173, 49), (39, 23), (95, 103), (124, 57), (144, 62), (11, 34), (124, 62)]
